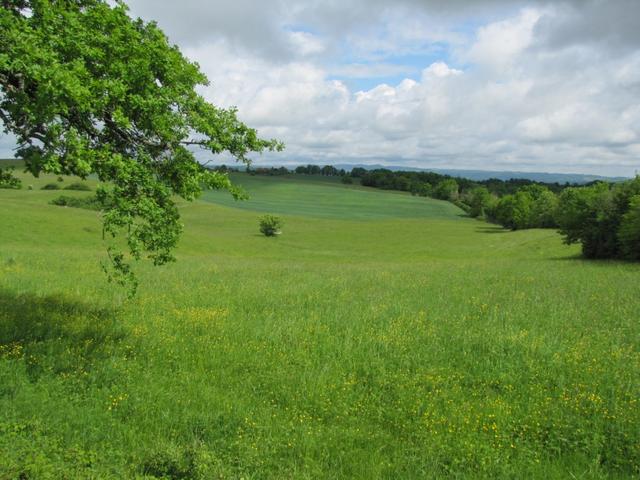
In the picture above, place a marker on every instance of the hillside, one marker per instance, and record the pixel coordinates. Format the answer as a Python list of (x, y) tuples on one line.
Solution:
[(381, 336), (326, 197)]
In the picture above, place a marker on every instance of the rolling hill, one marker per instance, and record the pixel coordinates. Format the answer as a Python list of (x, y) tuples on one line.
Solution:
[(381, 336)]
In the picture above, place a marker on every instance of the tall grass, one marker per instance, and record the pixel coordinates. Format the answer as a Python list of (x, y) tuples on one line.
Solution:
[(380, 347)]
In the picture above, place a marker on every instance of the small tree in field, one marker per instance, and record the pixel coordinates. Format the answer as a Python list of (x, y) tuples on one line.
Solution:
[(87, 90), (270, 226)]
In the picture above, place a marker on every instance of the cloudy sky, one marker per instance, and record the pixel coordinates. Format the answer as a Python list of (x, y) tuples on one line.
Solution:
[(481, 84)]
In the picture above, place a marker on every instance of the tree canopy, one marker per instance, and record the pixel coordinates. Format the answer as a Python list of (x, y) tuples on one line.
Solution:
[(87, 90), (604, 219)]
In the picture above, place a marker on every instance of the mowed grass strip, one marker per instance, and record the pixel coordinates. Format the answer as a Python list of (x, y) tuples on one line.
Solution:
[(375, 347), (325, 197)]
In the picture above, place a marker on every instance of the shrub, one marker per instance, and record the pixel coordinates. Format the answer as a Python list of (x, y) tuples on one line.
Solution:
[(78, 186), (270, 225), (51, 186), (7, 180), (88, 203)]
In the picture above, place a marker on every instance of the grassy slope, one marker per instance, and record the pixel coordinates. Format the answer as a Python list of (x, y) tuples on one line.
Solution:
[(380, 347), (322, 197)]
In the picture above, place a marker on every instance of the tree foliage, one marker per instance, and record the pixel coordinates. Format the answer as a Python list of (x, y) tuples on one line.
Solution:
[(532, 206), (629, 232), (604, 219), (87, 90), (447, 190), (7, 180), (479, 200)]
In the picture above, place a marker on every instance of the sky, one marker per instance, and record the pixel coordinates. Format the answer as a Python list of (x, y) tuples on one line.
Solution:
[(533, 85)]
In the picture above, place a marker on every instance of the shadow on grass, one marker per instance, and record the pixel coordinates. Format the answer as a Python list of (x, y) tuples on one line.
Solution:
[(492, 229), (576, 257), (55, 333), (603, 262)]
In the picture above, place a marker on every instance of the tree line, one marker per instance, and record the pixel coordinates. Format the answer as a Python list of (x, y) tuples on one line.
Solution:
[(603, 217)]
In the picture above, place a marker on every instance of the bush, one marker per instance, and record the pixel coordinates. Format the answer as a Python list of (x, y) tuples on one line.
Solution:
[(7, 180), (270, 225), (88, 203), (51, 186), (78, 186)]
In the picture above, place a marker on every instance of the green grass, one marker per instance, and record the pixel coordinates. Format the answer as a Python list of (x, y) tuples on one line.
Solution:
[(381, 336), (11, 163), (326, 197)]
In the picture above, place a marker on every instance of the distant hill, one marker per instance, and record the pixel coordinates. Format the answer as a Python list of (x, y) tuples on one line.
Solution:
[(470, 174), (501, 175), (11, 162)]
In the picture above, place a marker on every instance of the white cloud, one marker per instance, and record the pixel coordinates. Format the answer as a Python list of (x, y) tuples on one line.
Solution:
[(306, 43), (535, 85), (499, 43)]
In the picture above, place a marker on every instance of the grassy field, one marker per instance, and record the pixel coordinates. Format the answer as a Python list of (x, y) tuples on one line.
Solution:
[(382, 336), (326, 197)]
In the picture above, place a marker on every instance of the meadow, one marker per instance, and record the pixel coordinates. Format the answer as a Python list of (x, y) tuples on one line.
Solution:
[(381, 336)]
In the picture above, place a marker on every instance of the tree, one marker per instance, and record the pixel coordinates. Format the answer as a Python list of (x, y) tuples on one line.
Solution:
[(329, 171), (543, 206), (586, 215), (447, 190), (629, 233), (422, 189), (87, 90), (604, 219), (502, 212), (479, 200), (313, 170), (532, 206), (358, 172)]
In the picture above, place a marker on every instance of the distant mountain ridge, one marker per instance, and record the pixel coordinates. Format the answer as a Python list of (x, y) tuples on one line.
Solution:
[(501, 175), (477, 175)]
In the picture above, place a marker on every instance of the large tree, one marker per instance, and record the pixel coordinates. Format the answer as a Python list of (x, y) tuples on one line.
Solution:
[(87, 90)]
